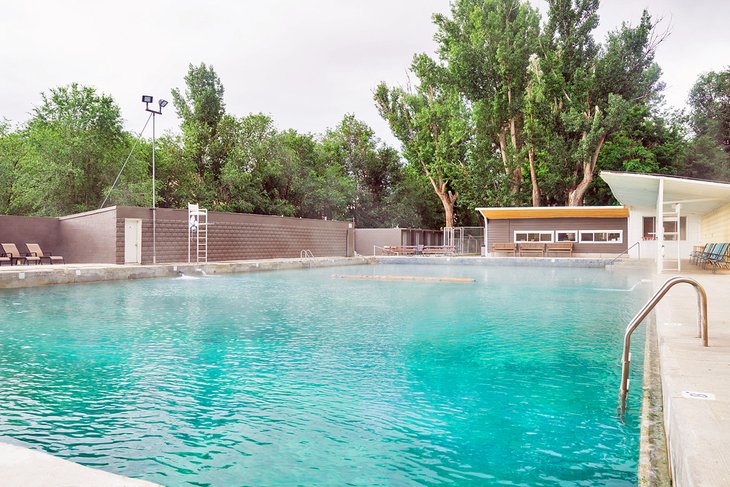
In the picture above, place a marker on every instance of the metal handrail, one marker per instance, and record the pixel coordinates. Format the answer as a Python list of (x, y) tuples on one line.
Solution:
[(626, 252), (644, 312), (306, 254)]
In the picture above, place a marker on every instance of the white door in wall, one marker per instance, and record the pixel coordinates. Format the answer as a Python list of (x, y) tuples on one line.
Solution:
[(132, 241)]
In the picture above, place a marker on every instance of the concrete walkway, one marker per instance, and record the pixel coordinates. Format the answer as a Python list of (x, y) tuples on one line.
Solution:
[(30, 468), (19, 276), (696, 380)]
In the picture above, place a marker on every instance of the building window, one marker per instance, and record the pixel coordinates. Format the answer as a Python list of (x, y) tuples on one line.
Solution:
[(533, 236), (670, 229), (601, 236), (566, 235)]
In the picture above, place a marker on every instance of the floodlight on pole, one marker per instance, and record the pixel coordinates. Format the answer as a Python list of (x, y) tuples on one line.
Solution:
[(147, 99)]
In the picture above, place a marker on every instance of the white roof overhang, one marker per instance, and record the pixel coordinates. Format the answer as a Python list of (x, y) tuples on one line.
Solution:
[(641, 190)]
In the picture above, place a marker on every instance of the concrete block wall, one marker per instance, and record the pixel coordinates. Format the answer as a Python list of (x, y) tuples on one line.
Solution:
[(234, 236)]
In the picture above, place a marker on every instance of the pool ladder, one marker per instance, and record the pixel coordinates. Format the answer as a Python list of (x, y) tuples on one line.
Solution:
[(644, 312)]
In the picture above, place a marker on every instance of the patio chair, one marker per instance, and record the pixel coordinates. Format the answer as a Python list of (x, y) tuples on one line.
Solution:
[(717, 251), (35, 250), (701, 258), (697, 251), (723, 262), (718, 258), (15, 256), (4, 258)]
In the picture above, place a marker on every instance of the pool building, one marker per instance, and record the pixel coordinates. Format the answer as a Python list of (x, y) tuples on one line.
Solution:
[(662, 218)]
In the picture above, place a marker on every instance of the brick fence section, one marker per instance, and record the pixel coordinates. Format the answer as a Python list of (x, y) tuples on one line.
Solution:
[(98, 236), (236, 236)]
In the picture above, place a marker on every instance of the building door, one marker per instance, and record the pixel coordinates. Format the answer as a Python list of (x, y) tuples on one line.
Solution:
[(132, 241)]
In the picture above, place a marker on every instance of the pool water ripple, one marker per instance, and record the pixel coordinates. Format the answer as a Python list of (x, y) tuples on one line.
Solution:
[(296, 378)]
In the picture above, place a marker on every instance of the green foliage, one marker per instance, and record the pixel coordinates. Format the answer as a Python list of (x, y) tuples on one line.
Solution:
[(12, 151), (72, 146), (646, 143), (706, 159), (374, 168), (708, 155), (202, 110), (505, 115), (485, 49), (586, 91), (433, 126)]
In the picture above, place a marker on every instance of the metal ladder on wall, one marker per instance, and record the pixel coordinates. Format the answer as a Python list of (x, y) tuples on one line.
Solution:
[(644, 312), (197, 232)]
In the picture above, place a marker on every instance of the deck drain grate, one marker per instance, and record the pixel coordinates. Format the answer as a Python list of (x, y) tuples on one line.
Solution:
[(705, 396)]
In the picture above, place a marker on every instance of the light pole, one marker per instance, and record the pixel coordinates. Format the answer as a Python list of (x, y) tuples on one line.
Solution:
[(147, 99)]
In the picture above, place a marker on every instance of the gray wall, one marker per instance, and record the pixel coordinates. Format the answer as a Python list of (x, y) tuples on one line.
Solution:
[(236, 236), (89, 237), (98, 236), (503, 231), (31, 229), (367, 238)]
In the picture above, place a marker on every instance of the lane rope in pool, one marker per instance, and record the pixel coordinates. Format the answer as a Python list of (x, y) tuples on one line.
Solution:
[(403, 278)]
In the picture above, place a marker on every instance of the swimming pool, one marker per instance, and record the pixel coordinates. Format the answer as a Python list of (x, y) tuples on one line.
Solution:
[(293, 377)]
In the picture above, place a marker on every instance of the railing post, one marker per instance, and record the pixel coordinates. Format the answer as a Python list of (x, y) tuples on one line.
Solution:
[(643, 313)]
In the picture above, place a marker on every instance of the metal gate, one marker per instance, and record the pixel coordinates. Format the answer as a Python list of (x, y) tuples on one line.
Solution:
[(465, 240)]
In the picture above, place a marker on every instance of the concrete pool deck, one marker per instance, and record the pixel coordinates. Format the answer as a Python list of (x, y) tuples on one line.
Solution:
[(20, 276), (695, 380), (30, 468)]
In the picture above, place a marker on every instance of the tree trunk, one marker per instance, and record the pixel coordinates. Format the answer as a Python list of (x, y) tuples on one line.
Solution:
[(576, 196), (503, 148), (448, 199), (533, 178), (517, 172)]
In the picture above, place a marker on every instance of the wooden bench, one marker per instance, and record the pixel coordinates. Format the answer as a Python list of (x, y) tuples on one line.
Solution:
[(505, 248), (438, 249), (399, 250), (560, 248), (532, 248)]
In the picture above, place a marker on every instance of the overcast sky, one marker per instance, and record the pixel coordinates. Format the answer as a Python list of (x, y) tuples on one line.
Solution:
[(306, 63)]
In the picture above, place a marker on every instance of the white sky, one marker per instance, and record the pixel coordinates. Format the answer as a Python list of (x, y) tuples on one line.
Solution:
[(306, 63)]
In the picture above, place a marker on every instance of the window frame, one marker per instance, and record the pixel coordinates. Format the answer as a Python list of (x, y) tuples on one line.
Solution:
[(601, 242), (576, 232), (652, 235), (539, 232)]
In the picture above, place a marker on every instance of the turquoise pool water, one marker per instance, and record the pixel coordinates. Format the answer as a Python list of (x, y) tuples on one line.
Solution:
[(295, 378)]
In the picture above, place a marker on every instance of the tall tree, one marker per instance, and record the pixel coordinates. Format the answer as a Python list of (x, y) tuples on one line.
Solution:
[(433, 127), (709, 153), (201, 109), (647, 142), (75, 144), (373, 167), (590, 90), (12, 151), (709, 101), (486, 47)]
